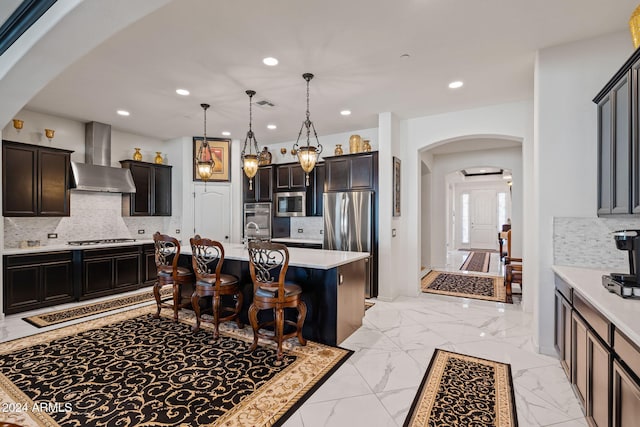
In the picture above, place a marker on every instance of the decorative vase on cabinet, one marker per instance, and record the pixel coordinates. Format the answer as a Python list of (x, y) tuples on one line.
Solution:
[(137, 155), (338, 151), (355, 144), (366, 146), (158, 159)]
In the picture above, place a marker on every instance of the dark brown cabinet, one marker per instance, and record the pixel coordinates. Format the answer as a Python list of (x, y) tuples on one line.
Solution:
[(109, 271), (619, 141), (351, 172), (153, 189), (615, 149), (290, 177), (315, 190), (35, 180), (563, 332), (37, 280), (262, 188), (148, 263)]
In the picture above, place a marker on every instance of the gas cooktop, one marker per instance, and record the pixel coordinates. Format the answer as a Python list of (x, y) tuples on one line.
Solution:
[(98, 241)]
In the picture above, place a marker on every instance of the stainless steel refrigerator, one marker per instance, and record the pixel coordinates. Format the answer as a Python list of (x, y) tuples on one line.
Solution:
[(349, 225)]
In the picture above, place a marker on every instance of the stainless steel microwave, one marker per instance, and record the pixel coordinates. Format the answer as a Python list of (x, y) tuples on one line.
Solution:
[(291, 203)]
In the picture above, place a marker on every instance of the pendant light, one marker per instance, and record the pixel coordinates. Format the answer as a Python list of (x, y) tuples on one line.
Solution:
[(250, 160), (308, 154), (204, 159)]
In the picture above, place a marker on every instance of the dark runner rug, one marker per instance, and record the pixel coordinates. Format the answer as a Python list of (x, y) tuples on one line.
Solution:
[(477, 261), (461, 390), (465, 285), (129, 369), (60, 316)]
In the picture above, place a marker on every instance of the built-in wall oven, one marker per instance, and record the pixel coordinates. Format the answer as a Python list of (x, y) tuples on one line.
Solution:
[(257, 220), (291, 203)]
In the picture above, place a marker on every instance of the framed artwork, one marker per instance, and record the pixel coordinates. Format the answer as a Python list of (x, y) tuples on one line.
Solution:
[(396, 186), (221, 151)]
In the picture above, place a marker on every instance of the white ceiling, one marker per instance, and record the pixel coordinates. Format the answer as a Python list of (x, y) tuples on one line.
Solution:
[(354, 47)]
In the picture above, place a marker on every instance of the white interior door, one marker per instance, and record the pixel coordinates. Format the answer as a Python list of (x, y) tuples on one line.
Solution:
[(483, 218), (212, 212)]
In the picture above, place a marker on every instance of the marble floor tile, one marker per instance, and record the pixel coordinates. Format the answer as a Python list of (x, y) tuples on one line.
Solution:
[(377, 384)]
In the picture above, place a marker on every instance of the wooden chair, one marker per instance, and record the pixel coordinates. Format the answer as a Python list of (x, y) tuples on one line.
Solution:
[(512, 273), (167, 254), (268, 263), (207, 257)]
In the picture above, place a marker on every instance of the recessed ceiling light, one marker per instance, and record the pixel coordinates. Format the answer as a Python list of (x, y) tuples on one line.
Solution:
[(345, 112), (226, 133), (455, 85), (182, 92), (272, 126), (123, 112), (405, 56), (270, 61)]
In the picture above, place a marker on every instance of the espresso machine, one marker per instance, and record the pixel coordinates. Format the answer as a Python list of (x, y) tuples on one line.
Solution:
[(623, 284)]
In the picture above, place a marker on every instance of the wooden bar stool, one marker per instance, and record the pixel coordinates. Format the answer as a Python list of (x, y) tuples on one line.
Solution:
[(167, 253), (268, 263), (207, 257)]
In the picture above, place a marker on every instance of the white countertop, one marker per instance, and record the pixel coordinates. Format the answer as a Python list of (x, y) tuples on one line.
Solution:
[(298, 257), (66, 247), (622, 312), (297, 240)]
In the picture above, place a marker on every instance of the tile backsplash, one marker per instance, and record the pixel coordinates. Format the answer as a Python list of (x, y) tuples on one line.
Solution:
[(588, 242), (311, 226), (93, 216)]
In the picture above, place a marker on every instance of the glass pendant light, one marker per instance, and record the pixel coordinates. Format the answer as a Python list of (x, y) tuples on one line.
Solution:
[(249, 159), (308, 154), (204, 159)]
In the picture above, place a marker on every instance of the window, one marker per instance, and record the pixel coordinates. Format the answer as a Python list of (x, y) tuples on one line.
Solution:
[(464, 220), (502, 210)]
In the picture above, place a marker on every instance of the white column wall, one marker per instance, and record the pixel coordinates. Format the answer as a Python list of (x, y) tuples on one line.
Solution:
[(567, 79)]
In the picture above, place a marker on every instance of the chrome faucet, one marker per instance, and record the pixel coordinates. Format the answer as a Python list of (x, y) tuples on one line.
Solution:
[(246, 232)]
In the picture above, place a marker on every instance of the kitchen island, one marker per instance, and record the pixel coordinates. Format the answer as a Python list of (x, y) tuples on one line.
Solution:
[(333, 282), (333, 285)]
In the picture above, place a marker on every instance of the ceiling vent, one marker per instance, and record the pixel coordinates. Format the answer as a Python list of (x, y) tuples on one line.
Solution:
[(265, 103)]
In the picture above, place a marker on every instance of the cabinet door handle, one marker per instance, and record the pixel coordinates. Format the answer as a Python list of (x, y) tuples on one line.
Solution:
[(340, 279)]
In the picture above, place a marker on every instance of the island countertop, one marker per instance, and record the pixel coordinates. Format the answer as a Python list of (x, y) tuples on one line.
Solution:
[(298, 257), (622, 312)]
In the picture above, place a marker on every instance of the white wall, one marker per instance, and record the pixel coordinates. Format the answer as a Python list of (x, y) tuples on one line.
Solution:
[(443, 165), (567, 79)]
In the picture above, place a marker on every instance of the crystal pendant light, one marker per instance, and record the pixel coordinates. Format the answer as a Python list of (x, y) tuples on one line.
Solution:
[(204, 159), (250, 159), (308, 154)]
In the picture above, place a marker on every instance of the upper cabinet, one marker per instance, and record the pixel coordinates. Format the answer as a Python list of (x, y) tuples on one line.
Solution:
[(153, 189), (290, 177), (351, 172), (618, 146), (35, 180), (262, 188)]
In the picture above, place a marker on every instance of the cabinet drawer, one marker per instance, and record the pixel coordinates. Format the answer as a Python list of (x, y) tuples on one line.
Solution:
[(627, 351), (109, 252), (36, 259), (564, 288), (597, 321)]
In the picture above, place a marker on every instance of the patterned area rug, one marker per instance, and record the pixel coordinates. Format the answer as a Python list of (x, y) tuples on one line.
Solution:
[(368, 305), (477, 261), (465, 285), (130, 369), (460, 390), (65, 315)]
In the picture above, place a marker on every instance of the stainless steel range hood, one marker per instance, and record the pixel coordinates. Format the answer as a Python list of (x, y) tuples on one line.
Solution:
[(96, 173)]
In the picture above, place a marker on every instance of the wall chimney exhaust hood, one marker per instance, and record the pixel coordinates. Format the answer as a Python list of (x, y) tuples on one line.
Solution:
[(96, 173)]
